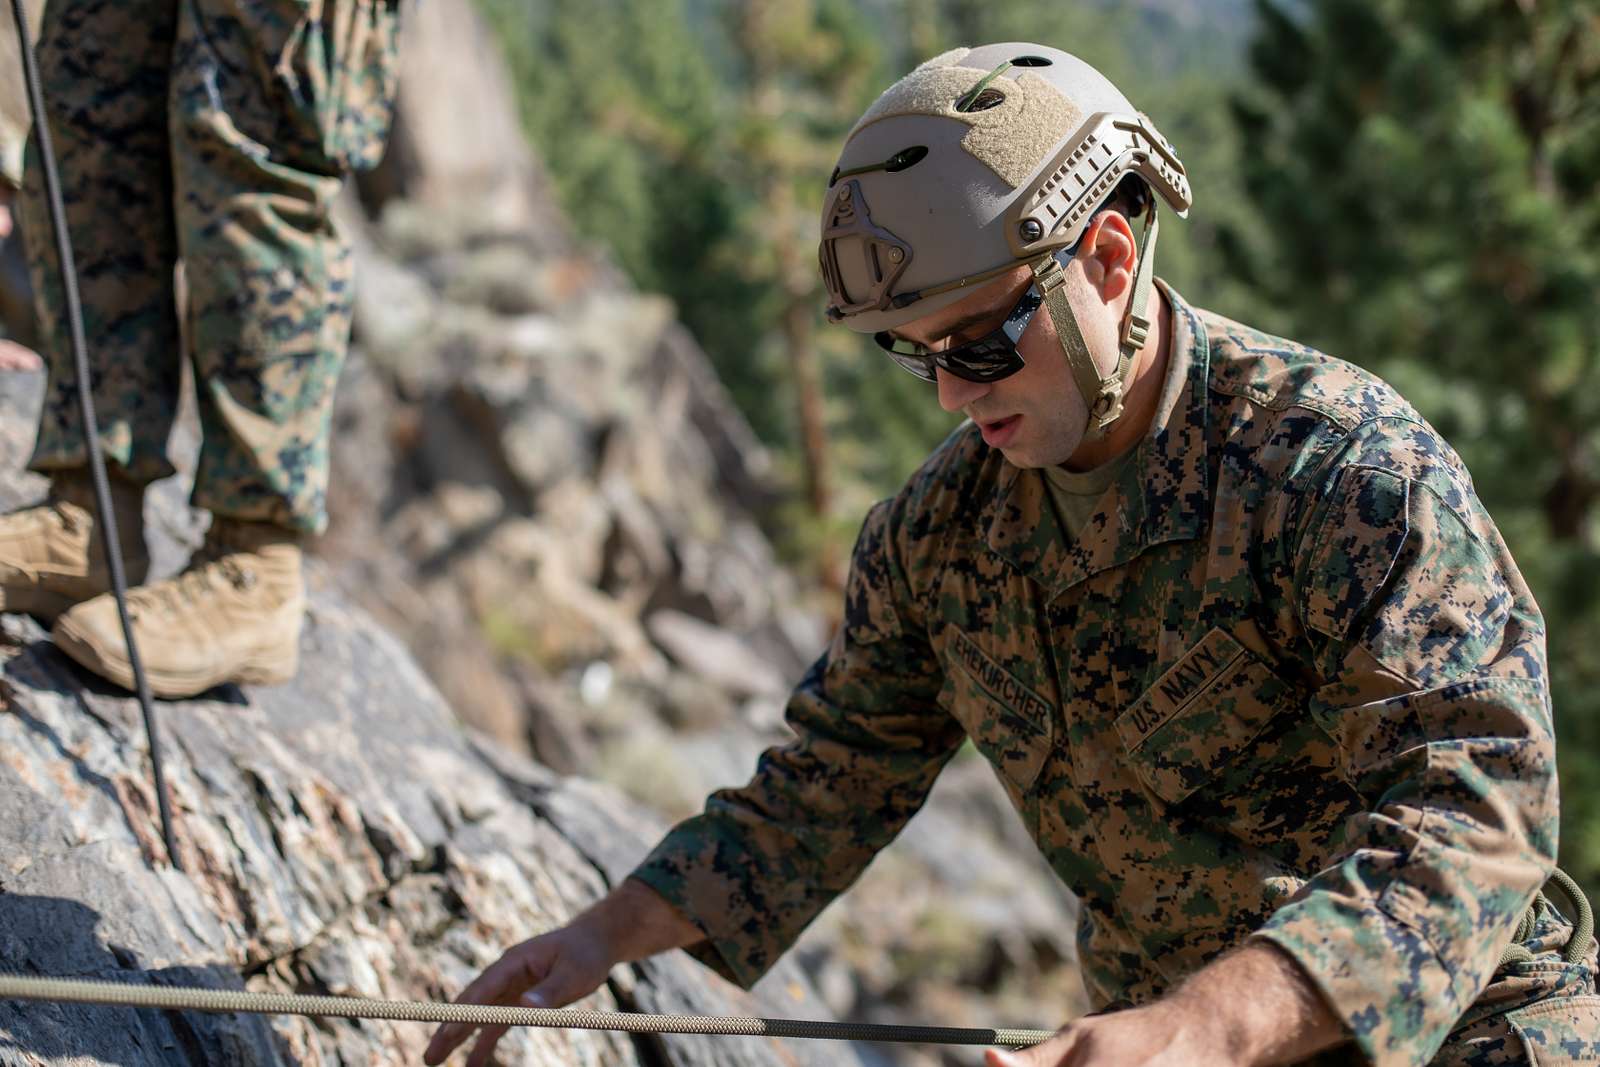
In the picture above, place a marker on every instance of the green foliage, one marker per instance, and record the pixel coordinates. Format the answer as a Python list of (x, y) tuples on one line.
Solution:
[(628, 110), (693, 138), (1425, 179)]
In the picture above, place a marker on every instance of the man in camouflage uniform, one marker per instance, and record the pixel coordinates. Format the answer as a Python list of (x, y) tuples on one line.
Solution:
[(1224, 614), (215, 132)]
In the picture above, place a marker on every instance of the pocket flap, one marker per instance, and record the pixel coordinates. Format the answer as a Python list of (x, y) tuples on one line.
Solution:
[(1200, 714)]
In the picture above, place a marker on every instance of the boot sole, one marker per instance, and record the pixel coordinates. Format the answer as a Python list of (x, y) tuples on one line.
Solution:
[(260, 667)]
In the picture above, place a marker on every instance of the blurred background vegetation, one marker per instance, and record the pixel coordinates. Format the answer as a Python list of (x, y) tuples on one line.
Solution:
[(1411, 187)]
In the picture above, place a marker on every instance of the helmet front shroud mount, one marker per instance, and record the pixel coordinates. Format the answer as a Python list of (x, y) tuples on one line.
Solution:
[(978, 161)]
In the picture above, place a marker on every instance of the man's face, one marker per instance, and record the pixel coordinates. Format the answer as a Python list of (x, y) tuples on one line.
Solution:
[(1036, 417)]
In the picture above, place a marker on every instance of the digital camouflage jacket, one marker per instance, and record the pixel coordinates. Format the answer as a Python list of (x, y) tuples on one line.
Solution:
[(1288, 684)]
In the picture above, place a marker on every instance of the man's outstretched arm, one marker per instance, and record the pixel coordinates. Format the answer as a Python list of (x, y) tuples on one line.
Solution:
[(736, 884), (870, 736)]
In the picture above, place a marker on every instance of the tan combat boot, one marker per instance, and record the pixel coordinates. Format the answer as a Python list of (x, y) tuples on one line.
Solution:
[(233, 615), (52, 556)]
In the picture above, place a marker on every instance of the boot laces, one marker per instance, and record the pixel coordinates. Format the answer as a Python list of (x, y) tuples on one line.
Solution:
[(64, 515), (67, 515), (209, 567)]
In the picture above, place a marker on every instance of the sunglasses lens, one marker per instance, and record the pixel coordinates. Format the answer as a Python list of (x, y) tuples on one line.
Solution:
[(921, 366), (908, 354), (987, 360)]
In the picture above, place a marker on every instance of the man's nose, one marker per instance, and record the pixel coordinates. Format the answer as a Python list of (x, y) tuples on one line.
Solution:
[(956, 393)]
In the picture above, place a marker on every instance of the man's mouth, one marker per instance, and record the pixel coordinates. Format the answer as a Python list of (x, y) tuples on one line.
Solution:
[(997, 433)]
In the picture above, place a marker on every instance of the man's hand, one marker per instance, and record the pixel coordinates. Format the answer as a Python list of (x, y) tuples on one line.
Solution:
[(1140, 1037), (1251, 1008), (549, 971), (557, 968)]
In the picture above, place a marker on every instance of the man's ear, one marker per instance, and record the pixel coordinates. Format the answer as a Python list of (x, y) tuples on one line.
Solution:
[(1109, 255)]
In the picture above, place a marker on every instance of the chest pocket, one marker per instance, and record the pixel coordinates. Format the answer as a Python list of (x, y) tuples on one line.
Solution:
[(1011, 723), (1200, 715)]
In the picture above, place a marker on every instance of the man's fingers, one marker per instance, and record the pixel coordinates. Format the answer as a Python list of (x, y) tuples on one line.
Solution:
[(560, 987), (501, 983), (996, 1058), (484, 1049), (507, 977), (445, 1039)]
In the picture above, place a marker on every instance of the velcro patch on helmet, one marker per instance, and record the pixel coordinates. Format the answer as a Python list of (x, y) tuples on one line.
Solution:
[(945, 59), (1011, 138)]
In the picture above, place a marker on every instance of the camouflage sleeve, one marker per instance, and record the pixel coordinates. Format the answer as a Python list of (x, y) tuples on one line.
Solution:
[(760, 862), (1432, 660)]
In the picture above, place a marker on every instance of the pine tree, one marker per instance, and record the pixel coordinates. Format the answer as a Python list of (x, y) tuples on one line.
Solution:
[(1426, 177)]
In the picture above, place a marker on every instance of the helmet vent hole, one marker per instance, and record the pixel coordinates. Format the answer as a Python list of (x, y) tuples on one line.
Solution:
[(906, 158), (901, 160), (985, 100), (1030, 61)]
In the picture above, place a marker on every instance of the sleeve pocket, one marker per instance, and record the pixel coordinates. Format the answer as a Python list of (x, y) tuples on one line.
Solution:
[(1354, 549)]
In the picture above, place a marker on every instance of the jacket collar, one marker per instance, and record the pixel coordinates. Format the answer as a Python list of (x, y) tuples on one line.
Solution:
[(1162, 495)]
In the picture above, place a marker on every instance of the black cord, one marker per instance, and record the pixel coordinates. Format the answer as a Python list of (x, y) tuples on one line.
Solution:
[(91, 434)]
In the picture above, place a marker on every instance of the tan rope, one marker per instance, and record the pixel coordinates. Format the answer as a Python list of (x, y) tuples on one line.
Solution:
[(1578, 942), (127, 994)]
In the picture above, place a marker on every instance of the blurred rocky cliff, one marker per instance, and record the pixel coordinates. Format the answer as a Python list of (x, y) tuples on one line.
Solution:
[(342, 834), (542, 491)]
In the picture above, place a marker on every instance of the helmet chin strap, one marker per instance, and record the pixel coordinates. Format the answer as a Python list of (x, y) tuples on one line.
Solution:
[(1102, 393)]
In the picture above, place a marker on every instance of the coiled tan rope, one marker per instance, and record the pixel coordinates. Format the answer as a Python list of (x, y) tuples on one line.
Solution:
[(127, 994), (1582, 936)]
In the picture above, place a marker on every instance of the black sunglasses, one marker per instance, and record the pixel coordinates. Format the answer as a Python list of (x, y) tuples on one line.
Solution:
[(988, 359)]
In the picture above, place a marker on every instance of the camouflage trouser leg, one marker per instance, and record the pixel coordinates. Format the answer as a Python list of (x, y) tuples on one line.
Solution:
[(218, 130), (104, 67), (273, 101)]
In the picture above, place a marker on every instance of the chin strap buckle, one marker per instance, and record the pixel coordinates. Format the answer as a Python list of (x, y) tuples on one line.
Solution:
[(1048, 275), (1107, 406), (1135, 331)]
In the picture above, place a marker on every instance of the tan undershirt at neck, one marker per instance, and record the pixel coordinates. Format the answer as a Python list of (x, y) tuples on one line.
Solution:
[(1075, 493)]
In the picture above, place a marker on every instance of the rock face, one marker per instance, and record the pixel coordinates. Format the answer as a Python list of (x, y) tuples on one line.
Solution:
[(339, 835), (539, 483)]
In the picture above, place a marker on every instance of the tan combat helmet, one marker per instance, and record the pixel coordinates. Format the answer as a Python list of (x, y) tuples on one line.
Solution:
[(977, 161)]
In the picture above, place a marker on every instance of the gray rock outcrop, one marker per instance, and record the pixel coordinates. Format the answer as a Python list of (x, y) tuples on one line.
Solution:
[(342, 834)]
